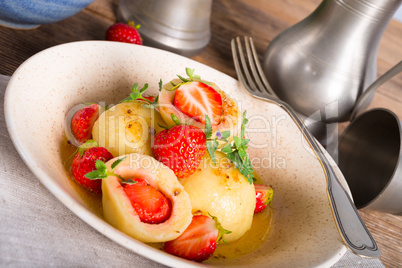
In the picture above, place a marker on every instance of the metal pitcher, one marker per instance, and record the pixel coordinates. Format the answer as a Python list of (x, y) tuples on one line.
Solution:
[(325, 62)]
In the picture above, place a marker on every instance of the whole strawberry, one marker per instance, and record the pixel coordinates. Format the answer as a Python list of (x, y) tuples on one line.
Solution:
[(181, 148), (264, 195), (83, 121), (126, 33), (84, 162), (198, 242)]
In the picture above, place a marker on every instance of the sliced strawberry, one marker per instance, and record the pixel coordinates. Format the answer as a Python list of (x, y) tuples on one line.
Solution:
[(198, 242), (264, 195), (181, 148), (83, 121), (149, 203), (84, 162), (197, 99)]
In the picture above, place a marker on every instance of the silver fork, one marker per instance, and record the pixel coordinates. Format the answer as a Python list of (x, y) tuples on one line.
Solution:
[(352, 229)]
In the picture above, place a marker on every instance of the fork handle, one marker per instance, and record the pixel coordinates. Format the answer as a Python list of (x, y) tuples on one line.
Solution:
[(351, 227)]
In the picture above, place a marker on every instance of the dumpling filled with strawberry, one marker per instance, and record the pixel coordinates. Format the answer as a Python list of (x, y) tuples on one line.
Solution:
[(143, 198), (129, 126), (191, 99)]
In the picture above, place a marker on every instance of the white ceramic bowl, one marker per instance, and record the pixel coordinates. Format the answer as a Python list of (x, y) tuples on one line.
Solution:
[(48, 85)]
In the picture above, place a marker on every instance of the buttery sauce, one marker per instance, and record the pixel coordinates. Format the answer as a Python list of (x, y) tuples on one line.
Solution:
[(249, 242)]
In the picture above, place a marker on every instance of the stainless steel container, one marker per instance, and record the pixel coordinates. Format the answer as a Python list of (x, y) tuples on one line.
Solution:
[(370, 159), (323, 64), (180, 26)]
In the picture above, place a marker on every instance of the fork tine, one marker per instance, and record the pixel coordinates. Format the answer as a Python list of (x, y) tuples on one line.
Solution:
[(259, 73), (239, 58), (251, 63), (236, 61)]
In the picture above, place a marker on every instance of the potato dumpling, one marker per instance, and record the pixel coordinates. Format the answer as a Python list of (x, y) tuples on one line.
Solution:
[(119, 212), (231, 115), (223, 192), (127, 127)]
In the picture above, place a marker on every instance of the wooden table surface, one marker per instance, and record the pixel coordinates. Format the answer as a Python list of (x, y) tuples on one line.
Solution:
[(260, 19)]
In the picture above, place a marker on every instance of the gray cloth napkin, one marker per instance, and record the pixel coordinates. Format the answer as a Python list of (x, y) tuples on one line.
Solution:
[(36, 230)]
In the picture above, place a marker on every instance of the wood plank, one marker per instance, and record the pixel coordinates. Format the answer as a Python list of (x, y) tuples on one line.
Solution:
[(18, 45)]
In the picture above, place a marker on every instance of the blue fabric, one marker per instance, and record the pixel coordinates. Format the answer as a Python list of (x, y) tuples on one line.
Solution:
[(36, 12)]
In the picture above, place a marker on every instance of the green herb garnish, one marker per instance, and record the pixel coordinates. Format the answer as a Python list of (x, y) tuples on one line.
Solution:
[(101, 171), (136, 94), (235, 152), (191, 77)]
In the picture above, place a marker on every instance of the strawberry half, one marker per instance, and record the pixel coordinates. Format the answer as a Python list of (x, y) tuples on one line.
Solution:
[(83, 121), (181, 148), (149, 203), (84, 162), (126, 33), (198, 242), (264, 195), (197, 99)]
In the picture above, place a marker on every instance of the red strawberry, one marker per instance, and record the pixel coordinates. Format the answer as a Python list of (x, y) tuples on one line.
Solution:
[(181, 148), (197, 99), (150, 98), (126, 33), (83, 121), (264, 195), (149, 203), (198, 242), (84, 162)]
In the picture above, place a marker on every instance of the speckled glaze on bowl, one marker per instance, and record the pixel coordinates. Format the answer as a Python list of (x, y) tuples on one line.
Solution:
[(27, 14), (50, 83)]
